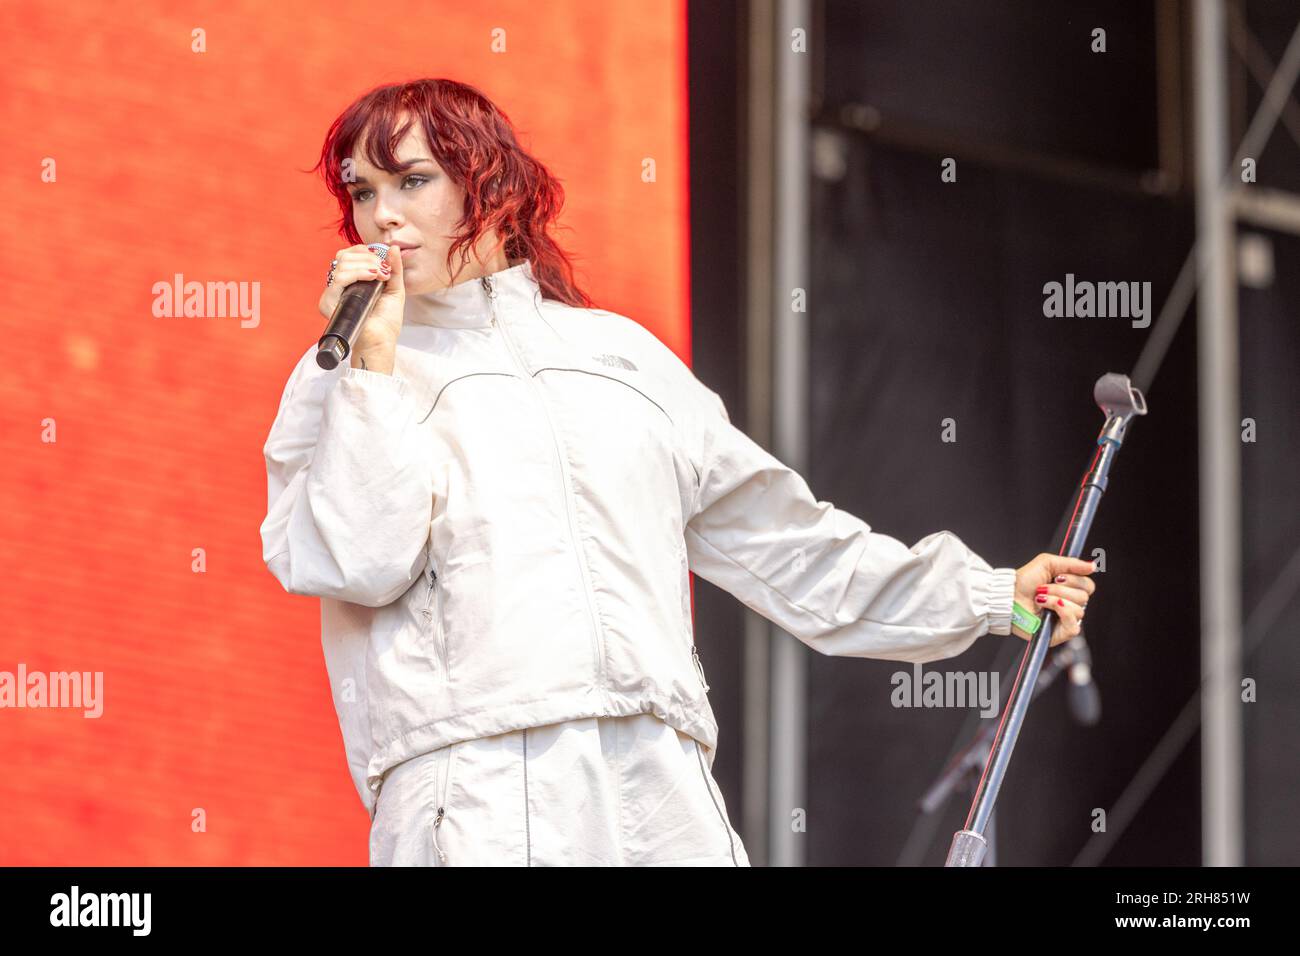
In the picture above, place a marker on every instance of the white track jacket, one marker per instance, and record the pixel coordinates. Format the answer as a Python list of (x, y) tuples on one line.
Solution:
[(501, 532)]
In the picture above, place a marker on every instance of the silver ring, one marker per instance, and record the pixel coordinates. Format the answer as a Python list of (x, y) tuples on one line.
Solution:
[(329, 280)]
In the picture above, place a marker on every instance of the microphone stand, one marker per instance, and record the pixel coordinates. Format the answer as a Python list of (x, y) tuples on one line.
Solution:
[(964, 767), (1119, 400)]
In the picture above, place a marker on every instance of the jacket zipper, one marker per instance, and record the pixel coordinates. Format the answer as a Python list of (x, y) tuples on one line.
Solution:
[(564, 479), (433, 617), (699, 666)]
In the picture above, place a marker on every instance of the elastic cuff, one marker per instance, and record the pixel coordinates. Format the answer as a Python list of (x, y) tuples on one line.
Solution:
[(1001, 593)]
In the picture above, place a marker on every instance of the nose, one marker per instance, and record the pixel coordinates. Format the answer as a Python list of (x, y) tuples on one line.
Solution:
[(387, 216)]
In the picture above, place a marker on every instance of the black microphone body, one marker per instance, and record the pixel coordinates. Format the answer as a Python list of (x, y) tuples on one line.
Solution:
[(349, 316)]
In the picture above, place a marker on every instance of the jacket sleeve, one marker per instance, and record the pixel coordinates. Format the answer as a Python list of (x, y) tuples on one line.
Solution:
[(349, 485), (822, 574)]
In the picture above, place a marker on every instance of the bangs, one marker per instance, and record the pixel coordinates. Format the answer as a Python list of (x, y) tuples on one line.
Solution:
[(376, 131), (379, 141)]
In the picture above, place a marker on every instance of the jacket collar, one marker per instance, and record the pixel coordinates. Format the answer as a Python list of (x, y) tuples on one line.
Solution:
[(465, 305)]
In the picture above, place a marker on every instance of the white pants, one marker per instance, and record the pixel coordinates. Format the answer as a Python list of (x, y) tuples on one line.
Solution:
[(599, 791)]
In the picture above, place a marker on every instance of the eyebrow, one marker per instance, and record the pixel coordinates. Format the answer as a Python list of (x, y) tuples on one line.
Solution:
[(362, 181)]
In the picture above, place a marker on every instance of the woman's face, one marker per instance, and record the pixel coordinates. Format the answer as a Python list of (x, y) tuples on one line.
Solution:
[(418, 210)]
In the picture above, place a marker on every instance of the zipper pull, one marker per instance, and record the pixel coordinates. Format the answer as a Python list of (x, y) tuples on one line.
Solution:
[(699, 666), (427, 610), (492, 295), (437, 821)]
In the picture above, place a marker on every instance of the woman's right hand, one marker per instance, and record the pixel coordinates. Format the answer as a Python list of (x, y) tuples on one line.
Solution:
[(1059, 584), (384, 323)]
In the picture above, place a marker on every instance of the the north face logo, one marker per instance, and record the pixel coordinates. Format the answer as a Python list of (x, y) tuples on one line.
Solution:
[(616, 360)]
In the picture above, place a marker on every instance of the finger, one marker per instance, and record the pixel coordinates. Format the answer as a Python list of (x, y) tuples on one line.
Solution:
[(1069, 620), (1078, 581), (359, 257), (1069, 615), (1065, 626), (1077, 595), (355, 254), (352, 271), (1055, 602), (1060, 564), (396, 284)]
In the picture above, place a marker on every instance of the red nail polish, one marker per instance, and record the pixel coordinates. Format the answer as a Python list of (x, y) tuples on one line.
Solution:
[(1060, 579), (1041, 599), (1060, 602), (1042, 588)]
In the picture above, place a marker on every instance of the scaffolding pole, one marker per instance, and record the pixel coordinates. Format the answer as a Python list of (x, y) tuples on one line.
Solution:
[(760, 199), (1220, 446), (790, 412)]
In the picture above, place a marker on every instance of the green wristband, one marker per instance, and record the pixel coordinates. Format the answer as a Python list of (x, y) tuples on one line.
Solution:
[(1023, 619)]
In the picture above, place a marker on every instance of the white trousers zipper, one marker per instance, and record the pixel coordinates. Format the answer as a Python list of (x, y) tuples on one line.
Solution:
[(442, 803), (528, 831), (722, 817), (564, 480)]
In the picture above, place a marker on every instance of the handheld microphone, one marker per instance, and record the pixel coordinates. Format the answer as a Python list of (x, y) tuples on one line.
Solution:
[(349, 315)]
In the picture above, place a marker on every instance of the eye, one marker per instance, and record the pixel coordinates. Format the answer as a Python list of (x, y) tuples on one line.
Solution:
[(361, 194)]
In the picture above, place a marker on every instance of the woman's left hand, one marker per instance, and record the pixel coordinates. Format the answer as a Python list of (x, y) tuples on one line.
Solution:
[(1059, 584)]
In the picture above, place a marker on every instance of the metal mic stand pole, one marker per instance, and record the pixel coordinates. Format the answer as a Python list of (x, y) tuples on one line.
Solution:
[(1119, 400), (964, 767)]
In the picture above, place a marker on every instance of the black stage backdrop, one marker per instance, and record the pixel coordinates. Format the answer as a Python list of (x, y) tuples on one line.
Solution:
[(926, 304)]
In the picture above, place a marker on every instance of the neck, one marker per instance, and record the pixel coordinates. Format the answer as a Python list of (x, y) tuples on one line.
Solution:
[(465, 303), (477, 265), (477, 268)]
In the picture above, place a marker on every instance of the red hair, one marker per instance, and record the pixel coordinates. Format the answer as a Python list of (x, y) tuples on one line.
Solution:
[(472, 140)]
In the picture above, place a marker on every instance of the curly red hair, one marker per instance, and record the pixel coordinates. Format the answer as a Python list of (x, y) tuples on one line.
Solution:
[(473, 141)]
